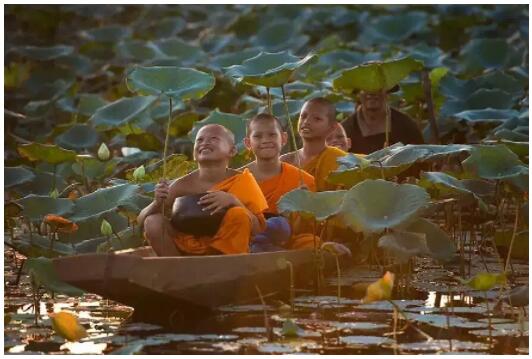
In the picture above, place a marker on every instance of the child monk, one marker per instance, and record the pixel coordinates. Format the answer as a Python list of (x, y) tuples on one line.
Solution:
[(338, 138), (265, 138), (236, 191), (316, 121)]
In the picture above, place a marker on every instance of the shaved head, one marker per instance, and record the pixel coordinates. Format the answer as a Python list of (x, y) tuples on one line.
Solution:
[(322, 101), (228, 135)]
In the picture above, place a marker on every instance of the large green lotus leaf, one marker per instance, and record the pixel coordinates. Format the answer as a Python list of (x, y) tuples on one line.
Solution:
[(93, 168), (43, 183), (340, 59), (177, 165), (176, 82), (121, 112), (36, 207), (104, 200), (48, 153), (319, 205), (489, 53), (494, 162), (374, 205), (393, 28), (376, 76), (268, 69), (486, 115), (179, 49), (431, 56), (419, 153), (493, 98), (510, 135), (160, 111), (182, 124), (78, 137), (279, 35), (43, 83), (87, 104), (138, 158), (519, 148), (144, 141), (80, 64), (38, 246), (91, 226), (112, 33), (234, 123), (233, 58), (138, 50), (439, 245), (354, 169), (447, 184), (499, 80), (404, 245), (14, 176), (167, 27), (43, 273), (45, 53)]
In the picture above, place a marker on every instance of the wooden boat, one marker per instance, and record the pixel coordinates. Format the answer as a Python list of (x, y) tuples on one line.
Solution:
[(188, 284)]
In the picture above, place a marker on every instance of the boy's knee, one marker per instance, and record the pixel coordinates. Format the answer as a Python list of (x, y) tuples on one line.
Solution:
[(153, 222)]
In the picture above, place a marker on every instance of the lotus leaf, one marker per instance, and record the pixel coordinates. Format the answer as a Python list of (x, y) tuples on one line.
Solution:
[(121, 112), (78, 137), (376, 76), (320, 205), (14, 176), (374, 205), (489, 53), (410, 154), (177, 166), (404, 245), (486, 281), (176, 82), (43, 273), (36, 207), (234, 123), (112, 33), (268, 69), (438, 243), (45, 53), (48, 153), (392, 28), (494, 162)]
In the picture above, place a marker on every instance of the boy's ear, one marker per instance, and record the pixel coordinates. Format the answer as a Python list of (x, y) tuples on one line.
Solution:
[(233, 151), (284, 138)]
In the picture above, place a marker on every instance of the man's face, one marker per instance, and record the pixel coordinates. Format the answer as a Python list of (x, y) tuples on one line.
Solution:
[(373, 101), (339, 139), (213, 144), (265, 139), (314, 121)]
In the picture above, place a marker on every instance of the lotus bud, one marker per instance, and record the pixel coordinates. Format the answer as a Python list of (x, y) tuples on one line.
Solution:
[(106, 228), (103, 152), (54, 193), (139, 173)]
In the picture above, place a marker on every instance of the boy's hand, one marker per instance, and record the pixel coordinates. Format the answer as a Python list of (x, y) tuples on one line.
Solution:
[(215, 202), (161, 192)]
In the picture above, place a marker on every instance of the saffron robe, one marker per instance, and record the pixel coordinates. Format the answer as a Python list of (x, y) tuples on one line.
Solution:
[(322, 165)]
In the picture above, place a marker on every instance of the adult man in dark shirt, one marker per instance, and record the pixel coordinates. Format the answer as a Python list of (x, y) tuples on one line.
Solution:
[(367, 125)]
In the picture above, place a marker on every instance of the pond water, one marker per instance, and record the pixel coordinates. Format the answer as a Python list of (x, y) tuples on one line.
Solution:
[(439, 321)]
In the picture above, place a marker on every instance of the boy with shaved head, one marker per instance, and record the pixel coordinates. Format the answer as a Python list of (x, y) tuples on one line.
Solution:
[(265, 138), (317, 120), (227, 189)]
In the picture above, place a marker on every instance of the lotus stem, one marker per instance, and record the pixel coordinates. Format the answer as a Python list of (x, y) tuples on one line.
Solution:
[(269, 331), (462, 254), (408, 322), (269, 100), (167, 137), (381, 167), (509, 255), (395, 318), (427, 87), (447, 318), (293, 142), (292, 291), (338, 276), (489, 317), (387, 126)]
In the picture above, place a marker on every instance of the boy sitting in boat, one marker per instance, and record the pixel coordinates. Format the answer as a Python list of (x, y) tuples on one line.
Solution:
[(316, 121), (265, 138), (237, 193)]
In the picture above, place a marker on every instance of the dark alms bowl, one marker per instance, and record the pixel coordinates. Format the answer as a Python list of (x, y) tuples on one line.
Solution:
[(188, 216)]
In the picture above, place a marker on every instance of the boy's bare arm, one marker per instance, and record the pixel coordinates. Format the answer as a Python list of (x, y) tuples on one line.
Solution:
[(288, 157)]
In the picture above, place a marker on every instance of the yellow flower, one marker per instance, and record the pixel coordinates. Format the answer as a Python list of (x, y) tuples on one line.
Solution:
[(67, 326), (381, 289)]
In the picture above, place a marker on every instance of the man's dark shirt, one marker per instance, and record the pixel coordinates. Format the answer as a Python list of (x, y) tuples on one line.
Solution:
[(403, 129)]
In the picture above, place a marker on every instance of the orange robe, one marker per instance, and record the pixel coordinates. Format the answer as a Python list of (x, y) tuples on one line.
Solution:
[(321, 166), (274, 188), (235, 230)]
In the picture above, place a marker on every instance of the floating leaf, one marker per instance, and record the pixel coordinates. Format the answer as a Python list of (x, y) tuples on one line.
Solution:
[(45, 53), (374, 205), (112, 33), (320, 205), (121, 112), (364, 340), (494, 162), (67, 326), (48, 153), (267, 69), (43, 273), (176, 82), (376, 76), (486, 281), (444, 321)]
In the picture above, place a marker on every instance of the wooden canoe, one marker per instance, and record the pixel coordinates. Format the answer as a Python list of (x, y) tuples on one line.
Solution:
[(144, 281)]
